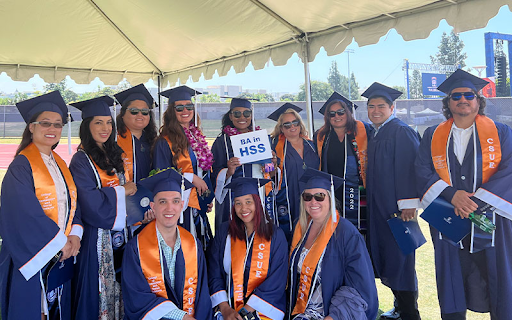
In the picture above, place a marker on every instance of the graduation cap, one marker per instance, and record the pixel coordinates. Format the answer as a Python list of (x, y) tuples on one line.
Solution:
[(282, 109), (380, 90), (337, 96), (139, 92), (166, 180), (52, 101), (180, 93), (240, 102), (99, 106), (462, 79), (243, 186), (313, 178)]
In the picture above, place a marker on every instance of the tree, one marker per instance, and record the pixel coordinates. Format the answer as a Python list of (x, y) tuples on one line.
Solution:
[(401, 89), (259, 97), (288, 97), (212, 97), (354, 88), (68, 94), (320, 91), (339, 82), (335, 79), (450, 51), (415, 87)]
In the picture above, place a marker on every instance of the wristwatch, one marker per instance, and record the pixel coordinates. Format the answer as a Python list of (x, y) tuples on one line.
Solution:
[(246, 315)]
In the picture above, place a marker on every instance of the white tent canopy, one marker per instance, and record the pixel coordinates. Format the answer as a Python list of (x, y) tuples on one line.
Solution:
[(171, 39)]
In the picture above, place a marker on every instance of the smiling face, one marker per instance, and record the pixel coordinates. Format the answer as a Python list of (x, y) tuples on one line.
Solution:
[(46, 137), (245, 209), (318, 210), (138, 121), (184, 117), (101, 129), (337, 121), (293, 131), (463, 107), (379, 111), (167, 207), (242, 123)]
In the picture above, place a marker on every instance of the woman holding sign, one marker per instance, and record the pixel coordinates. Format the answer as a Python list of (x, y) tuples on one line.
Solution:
[(182, 145), (331, 275), (296, 153), (248, 259), (99, 173), (238, 120), (39, 217)]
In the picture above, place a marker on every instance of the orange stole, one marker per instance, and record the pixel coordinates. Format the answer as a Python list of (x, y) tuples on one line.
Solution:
[(44, 186), (128, 157), (310, 262), (185, 164), (260, 261), (280, 153), (489, 144), (151, 265), (106, 180)]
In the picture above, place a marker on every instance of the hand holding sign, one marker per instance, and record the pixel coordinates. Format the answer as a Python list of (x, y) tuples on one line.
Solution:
[(251, 147)]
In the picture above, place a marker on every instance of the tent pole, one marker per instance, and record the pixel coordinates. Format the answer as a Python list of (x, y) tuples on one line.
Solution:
[(160, 108), (307, 86)]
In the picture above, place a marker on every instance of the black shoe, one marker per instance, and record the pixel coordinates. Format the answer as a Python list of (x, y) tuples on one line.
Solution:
[(391, 314)]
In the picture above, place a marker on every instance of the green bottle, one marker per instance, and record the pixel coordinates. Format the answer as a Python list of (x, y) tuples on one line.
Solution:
[(482, 222)]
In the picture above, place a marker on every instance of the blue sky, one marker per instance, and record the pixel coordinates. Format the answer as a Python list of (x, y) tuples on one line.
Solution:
[(380, 62)]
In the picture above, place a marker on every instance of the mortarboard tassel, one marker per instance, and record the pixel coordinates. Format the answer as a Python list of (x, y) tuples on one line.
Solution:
[(261, 193), (69, 132), (333, 203), (182, 198)]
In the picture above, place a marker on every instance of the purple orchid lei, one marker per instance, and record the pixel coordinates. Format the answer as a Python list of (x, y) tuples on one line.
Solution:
[(231, 131), (199, 146)]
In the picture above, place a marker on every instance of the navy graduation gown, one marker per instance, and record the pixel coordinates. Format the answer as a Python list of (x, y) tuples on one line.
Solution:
[(30, 240), (345, 263), (288, 199), (140, 302), (222, 152), (142, 156), (390, 183), (269, 297), (454, 295), (102, 208)]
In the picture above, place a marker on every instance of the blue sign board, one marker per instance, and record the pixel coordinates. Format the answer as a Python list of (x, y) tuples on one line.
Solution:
[(430, 81)]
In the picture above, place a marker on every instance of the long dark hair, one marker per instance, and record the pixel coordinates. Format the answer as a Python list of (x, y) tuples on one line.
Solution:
[(227, 122), (446, 105), (261, 227), (26, 137), (108, 159), (150, 130), (351, 126)]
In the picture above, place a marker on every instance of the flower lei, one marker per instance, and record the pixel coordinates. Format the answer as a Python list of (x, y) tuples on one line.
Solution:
[(199, 146), (231, 131)]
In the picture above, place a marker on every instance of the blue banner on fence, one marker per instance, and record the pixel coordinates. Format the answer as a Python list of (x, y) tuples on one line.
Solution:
[(430, 81)]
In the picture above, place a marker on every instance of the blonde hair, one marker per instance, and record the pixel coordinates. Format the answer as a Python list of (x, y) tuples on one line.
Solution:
[(277, 129), (304, 217)]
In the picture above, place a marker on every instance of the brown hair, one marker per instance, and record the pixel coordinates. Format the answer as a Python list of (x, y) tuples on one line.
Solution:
[(351, 126), (446, 105)]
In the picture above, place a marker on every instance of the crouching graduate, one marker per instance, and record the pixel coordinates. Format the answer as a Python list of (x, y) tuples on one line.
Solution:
[(331, 275), (247, 261), (39, 218), (164, 270)]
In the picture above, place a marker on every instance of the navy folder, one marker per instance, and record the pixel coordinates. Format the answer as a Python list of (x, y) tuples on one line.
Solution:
[(137, 205), (440, 214), (407, 234), (58, 273), (206, 198)]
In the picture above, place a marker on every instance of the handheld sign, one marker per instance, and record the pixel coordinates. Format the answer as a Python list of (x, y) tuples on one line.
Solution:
[(251, 146)]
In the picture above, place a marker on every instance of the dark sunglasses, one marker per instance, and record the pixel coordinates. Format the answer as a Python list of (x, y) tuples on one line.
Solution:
[(288, 125), (189, 107), (456, 96), (237, 114), (47, 124), (135, 111), (319, 196), (339, 112)]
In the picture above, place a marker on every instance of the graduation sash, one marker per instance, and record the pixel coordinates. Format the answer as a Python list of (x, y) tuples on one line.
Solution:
[(128, 156), (310, 262), (260, 261), (151, 264), (44, 186), (185, 164), (489, 144), (106, 180)]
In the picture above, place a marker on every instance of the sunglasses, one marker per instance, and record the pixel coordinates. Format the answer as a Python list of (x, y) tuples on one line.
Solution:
[(288, 125), (319, 196), (456, 96), (237, 114), (136, 111), (47, 124), (189, 107), (339, 112)]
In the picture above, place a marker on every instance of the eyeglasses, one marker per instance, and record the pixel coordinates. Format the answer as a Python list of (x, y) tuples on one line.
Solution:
[(288, 125), (456, 96), (319, 196), (47, 124), (339, 112), (189, 107), (237, 114), (136, 111)]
